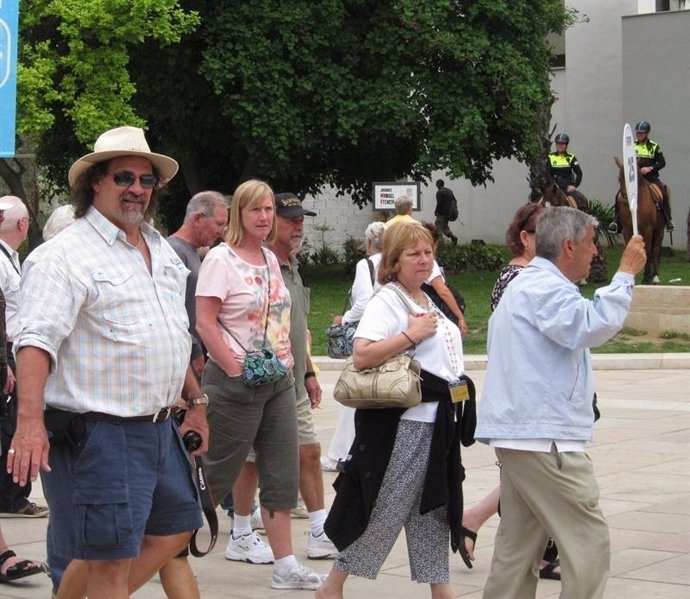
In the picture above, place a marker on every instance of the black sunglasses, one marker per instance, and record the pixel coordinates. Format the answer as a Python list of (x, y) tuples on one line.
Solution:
[(127, 179)]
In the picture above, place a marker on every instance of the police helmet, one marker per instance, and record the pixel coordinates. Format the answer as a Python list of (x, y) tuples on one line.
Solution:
[(642, 127), (562, 138)]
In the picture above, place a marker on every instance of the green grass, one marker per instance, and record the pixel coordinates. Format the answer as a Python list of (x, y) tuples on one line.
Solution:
[(329, 288)]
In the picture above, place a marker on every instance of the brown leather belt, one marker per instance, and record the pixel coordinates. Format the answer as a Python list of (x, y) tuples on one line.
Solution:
[(160, 416)]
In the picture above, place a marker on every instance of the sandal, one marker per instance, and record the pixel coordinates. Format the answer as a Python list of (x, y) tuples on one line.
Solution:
[(21, 569), (466, 533), (547, 571)]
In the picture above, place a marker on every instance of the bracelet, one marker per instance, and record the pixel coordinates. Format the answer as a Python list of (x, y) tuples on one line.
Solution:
[(309, 374), (409, 338), (197, 401)]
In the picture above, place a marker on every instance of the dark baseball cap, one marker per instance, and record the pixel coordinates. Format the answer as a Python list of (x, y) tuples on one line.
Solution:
[(289, 206)]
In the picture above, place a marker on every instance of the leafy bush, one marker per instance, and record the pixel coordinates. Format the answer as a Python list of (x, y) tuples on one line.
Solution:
[(304, 254), (475, 257), (353, 252), (605, 216), (324, 256)]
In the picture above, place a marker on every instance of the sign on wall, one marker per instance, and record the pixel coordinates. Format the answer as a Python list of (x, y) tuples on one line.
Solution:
[(9, 27), (385, 194)]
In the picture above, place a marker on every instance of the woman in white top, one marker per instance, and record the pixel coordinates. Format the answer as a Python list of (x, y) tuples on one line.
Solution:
[(365, 276), (437, 280), (362, 289), (404, 470)]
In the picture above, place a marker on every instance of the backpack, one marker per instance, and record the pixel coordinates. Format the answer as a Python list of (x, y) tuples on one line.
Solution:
[(453, 209)]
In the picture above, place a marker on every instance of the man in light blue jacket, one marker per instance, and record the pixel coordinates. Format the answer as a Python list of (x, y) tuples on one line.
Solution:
[(536, 408)]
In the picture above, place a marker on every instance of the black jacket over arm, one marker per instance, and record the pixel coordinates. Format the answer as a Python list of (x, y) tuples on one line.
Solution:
[(357, 487)]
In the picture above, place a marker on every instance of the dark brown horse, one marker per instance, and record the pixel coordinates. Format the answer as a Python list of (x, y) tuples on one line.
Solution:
[(650, 222), (554, 196)]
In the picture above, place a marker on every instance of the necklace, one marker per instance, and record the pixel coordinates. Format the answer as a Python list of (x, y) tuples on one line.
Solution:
[(423, 302)]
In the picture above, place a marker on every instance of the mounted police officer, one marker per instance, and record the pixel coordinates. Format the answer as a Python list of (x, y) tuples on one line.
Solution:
[(650, 160), (563, 168)]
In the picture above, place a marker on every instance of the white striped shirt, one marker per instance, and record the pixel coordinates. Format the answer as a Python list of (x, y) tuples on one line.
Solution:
[(116, 334)]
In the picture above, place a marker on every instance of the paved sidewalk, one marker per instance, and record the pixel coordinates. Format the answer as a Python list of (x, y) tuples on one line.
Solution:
[(641, 455)]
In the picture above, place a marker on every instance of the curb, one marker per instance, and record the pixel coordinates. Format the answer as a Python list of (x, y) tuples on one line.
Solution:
[(679, 361)]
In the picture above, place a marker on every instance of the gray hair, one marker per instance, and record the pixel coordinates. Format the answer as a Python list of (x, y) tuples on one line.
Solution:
[(403, 205), (555, 225), (61, 218), (205, 203), (374, 234), (15, 213)]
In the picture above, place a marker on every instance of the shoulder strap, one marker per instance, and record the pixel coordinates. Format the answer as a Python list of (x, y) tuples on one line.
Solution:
[(9, 257), (401, 296), (268, 308), (370, 264)]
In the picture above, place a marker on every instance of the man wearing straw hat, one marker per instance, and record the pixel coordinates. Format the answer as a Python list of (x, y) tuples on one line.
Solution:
[(103, 343)]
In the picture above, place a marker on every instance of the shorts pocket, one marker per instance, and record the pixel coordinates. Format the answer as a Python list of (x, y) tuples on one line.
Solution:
[(102, 516)]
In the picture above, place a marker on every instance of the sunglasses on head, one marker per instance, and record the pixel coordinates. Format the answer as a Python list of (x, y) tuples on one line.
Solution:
[(127, 179)]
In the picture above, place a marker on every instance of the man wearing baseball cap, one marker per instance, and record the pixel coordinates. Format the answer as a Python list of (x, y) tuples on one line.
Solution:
[(103, 342), (286, 246)]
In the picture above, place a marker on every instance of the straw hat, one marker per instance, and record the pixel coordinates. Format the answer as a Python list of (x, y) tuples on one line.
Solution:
[(123, 141)]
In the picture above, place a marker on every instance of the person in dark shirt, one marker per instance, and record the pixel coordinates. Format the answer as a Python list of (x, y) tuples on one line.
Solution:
[(445, 198), (650, 160), (564, 169)]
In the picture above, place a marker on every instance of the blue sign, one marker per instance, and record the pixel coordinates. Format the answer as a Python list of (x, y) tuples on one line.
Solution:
[(9, 30)]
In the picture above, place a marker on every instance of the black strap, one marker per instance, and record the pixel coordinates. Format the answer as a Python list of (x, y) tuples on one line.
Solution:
[(268, 308), (9, 257), (370, 264), (208, 506)]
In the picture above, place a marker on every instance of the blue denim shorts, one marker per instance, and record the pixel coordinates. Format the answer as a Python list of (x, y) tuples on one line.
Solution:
[(127, 480)]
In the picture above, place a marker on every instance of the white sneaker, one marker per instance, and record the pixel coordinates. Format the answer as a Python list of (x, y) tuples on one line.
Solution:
[(299, 512), (329, 464), (249, 548), (298, 577), (256, 520), (320, 547)]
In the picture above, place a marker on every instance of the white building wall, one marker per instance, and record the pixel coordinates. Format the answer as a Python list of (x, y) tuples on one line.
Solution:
[(593, 104)]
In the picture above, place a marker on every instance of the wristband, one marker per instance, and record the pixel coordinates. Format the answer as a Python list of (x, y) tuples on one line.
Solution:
[(198, 401), (309, 374), (409, 338)]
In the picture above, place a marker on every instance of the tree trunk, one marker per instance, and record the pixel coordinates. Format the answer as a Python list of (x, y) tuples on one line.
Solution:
[(537, 178)]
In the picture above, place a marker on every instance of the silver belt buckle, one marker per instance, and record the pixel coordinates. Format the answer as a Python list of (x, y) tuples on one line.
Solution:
[(162, 414)]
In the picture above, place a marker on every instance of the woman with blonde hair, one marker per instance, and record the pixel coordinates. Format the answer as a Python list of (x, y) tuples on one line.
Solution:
[(243, 306), (404, 470)]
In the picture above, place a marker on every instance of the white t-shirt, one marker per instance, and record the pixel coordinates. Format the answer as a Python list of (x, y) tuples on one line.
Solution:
[(435, 272), (441, 354), (362, 288)]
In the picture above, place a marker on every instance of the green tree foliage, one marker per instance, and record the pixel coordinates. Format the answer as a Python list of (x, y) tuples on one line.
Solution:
[(74, 60), (307, 93), (301, 93), (74, 80)]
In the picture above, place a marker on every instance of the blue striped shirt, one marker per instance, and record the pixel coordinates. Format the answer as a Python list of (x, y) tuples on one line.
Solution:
[(117, 334)]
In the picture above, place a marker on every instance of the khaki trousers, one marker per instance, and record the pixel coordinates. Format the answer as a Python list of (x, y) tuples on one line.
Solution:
[(542, 495)]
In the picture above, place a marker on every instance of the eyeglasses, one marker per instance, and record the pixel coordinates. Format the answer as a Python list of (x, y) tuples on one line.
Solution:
[(127, 179)]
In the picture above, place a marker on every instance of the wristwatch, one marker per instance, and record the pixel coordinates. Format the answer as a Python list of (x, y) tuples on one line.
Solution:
[(198, 401)]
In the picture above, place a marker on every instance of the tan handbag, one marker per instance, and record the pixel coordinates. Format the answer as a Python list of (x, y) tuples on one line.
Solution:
[(393, 384)]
